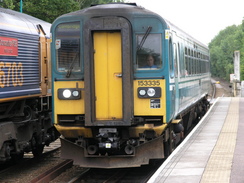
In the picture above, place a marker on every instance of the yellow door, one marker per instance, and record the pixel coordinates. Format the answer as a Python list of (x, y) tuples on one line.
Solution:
[(108, 75)]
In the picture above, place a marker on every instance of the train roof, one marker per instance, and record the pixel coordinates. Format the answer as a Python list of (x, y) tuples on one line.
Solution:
[(111, 9), (20, 22), (184, 35)]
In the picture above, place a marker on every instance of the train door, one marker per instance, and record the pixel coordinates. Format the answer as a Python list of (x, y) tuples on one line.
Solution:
[(172, 82), (177, 75), (108, 72), (108, 75), (174, 78), (44, 55)]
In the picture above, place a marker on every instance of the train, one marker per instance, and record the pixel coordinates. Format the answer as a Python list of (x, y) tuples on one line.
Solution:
[(25, 86), (127, 85)]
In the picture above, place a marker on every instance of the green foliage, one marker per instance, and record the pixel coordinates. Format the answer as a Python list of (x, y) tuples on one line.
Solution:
[(222, 48), (8, 4), (49, 10)]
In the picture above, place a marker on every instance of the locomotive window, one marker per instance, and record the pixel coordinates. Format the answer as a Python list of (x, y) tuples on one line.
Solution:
[(149, 51), (68, 47)]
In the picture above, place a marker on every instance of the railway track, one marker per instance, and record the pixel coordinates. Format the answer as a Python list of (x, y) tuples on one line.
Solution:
[(52, 173), (122, 175), (221, 88), (135, 175), (29, 167)]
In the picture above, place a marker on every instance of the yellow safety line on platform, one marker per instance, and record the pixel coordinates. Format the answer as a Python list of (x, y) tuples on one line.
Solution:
[(219, 165)]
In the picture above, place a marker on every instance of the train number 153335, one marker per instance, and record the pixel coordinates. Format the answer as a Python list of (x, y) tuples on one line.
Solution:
[(149, 83), (11, 74)]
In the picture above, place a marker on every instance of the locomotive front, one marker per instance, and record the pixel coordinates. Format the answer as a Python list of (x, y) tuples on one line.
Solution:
[(109, 85)]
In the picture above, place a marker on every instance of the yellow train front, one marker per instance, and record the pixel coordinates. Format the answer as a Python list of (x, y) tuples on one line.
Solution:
[(116, 85)]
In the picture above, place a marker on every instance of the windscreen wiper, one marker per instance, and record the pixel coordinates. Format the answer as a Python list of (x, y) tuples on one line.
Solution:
[(71, 66), (144, 38)]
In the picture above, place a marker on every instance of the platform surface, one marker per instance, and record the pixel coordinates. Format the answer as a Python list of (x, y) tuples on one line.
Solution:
[(213, 151)]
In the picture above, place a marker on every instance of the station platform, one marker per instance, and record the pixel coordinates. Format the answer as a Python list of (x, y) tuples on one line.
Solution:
[(213, 151)]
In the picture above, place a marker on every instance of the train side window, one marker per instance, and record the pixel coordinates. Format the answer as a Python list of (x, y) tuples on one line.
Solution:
[(68, 47), (189, 62), (192, 63), (186, 62), (197, 66), (181, 61), (175, 61), (149, 52), (201, 61), (171, 62)]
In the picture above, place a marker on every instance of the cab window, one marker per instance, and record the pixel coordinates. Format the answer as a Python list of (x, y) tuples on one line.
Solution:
[(68, 47), (149, 52)]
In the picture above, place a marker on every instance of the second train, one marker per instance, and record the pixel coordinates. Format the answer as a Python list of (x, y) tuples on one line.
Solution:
[(127, 84)]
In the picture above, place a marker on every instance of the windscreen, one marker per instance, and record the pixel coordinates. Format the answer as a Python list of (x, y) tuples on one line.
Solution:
[(149, 51), (68, 47)]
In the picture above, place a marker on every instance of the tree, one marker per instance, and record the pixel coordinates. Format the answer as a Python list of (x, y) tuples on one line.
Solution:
[(49, 10), (9, 4), (222, 48)]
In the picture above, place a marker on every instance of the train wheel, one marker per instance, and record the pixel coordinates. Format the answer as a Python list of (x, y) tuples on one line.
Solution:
[(37, 151), (17, 157), (166, 149), (37, 148), (169, 145)]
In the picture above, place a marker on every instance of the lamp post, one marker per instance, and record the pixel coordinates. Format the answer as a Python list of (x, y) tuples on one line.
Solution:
[(21, 5)]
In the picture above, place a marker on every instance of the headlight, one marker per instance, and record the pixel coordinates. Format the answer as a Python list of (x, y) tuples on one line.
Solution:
[(149, 92), (69, 94)]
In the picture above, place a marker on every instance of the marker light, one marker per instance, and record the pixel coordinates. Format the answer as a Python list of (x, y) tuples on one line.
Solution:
[(69, 93), (142, 92), (75, 93)]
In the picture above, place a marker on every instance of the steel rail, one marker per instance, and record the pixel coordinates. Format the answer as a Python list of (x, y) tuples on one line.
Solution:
[(53, 172)]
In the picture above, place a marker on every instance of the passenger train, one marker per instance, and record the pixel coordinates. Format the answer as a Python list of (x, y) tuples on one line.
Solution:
[(127, 85), (25, 85)]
